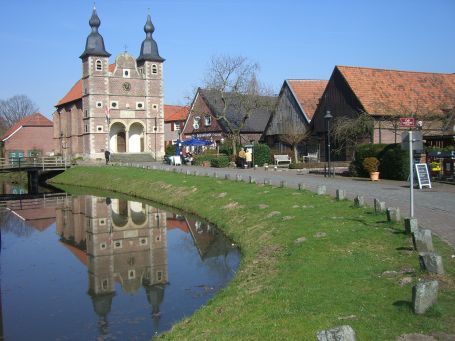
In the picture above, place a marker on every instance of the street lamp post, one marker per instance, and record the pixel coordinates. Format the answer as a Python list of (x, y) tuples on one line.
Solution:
[(327, 118)]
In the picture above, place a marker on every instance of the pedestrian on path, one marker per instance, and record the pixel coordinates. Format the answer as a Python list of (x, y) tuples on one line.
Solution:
[(107, 155)]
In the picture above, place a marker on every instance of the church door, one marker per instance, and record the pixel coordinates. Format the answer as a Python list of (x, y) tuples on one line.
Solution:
[(121, 142)]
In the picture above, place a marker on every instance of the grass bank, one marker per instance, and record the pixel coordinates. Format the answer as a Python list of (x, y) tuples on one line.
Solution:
[(309, 262)]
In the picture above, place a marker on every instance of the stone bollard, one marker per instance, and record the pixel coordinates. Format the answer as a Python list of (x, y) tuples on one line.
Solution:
[(424, 295), (267, 182), (393, 214), (359, 201), (188, 172), (422, 240), (341, 194), (174, 170), (215, 175), (195, 173), (301, 186), (238, 177), (410, 225), (283, 183), (432, 262), (342, 333), (379, 206), (227, 176), (322, 190), (153, 167), (251, 180), (266, 167)]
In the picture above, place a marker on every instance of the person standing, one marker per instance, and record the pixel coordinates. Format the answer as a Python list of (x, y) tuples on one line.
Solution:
[(107, 156), (242, 158), (248, 158)]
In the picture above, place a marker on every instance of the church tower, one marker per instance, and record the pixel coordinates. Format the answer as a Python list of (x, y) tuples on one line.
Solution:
[(95, 92), (150, 65)]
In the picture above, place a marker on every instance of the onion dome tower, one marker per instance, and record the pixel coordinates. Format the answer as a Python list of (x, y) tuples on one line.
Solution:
[(149, 48), (95, 43)]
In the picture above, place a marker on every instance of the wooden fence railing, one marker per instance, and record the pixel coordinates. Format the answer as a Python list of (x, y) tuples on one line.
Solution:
[(34, 162)]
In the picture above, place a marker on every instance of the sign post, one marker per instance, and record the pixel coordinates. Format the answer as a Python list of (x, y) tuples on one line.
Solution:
[(410, 122)]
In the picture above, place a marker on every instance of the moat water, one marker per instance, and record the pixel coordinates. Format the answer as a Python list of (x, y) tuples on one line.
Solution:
[(97, 268)]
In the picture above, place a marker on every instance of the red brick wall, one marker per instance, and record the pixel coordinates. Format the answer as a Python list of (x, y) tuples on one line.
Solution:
[(30, 138)]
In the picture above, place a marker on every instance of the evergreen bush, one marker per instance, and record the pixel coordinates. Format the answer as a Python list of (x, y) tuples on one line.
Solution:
[(394, 163), (363, 151), (170, 149), (261, 154), (298, 165), (220, 161)]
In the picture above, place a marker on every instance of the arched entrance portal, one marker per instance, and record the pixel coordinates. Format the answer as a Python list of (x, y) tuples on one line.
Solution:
[(117, 138), (136, 138)]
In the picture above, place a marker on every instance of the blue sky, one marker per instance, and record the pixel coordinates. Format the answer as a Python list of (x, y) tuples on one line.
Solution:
[(42, 40)]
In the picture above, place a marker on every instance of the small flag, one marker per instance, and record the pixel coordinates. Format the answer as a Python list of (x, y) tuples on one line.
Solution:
[(108, 116)]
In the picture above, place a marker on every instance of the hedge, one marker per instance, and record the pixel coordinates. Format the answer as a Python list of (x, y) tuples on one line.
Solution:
[(261, 154)]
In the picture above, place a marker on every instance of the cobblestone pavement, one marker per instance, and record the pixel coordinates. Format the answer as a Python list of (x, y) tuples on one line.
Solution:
[(433, 207)]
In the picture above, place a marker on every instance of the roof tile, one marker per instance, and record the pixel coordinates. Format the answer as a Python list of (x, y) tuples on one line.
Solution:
[(307, 93)]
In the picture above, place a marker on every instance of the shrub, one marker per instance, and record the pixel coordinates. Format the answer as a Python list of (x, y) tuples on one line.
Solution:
[(220, 161), (198, 160), (298, 165), (363, 151), (394, 163), (170, 149), (261, 154), (370, 164)]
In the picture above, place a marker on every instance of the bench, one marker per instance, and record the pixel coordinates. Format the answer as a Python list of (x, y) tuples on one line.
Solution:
[(311, 156), (282, 159)]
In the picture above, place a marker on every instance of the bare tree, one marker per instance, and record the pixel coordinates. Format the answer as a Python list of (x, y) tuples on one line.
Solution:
[(348, 132), (293, 134), (234, 80), (15, 108)]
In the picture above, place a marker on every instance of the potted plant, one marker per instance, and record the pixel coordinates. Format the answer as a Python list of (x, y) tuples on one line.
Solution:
[(371, 165)]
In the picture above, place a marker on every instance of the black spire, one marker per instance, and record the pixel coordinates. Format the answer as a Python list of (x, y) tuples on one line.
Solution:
[(149, 49), (95, 43)]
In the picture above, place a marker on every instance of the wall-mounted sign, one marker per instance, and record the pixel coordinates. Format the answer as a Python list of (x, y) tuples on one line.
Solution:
[(407, 122)]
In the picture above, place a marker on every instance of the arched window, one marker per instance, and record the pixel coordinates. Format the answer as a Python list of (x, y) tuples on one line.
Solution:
[(196, 122), (99, 65), (154, 68)]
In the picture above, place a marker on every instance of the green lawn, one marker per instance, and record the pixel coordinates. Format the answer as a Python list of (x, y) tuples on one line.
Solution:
[(289, 290)]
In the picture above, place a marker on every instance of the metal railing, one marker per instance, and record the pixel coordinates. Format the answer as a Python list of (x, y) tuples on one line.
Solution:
[(34, 162)]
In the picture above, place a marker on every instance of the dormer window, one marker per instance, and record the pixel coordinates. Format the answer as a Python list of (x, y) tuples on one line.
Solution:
[(154, 68), (196, 122), (126, 73), (99, 65), (207, 120)]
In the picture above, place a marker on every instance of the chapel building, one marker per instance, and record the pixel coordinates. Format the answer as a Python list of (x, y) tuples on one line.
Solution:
[(117, 107)]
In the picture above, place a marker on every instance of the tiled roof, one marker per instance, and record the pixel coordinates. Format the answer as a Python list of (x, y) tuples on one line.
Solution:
[(33, 120), (236, 110), (387, 92), (175, 113), (307, 92), (75, 92)]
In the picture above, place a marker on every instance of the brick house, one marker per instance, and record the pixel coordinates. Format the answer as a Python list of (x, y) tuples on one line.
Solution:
[(205, 122), (174, 120), (117, 107), (387, 95), (292, 116), (31, 136)]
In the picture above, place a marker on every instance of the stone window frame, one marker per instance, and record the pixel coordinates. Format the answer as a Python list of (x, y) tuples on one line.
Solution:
[(99, 104), (86, 128), (154, 69), (99, 128), (103, 246), (207, 120), (99, 65), (120, 244), (155, 106), (126, 73), (85, 113), (102, 221), (113, 104), (143, 241), (176, 126), (140, 105)]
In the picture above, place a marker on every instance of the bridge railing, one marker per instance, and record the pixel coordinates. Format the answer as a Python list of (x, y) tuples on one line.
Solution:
[(33, 162)]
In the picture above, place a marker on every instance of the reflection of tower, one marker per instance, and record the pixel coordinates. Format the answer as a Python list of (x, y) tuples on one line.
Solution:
[(157, 277), (100, 259)]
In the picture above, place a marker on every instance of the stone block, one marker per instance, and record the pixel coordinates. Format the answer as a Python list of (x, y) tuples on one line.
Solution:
[(215, 175), (410, 225), (422, 240), (251, 180), (424, 295), (227, 176), (341, 333), (238, 177), (301, 186), (379, 206), (432, 262), (359, 201), (322, 190), (195, 173), (340, 194), (283, 183), (188, 172), (267, 182), (393, 214)]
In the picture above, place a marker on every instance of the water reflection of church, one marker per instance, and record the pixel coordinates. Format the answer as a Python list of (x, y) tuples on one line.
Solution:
[(119, 241)]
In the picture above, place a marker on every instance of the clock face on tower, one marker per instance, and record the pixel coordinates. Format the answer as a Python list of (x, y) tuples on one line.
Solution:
[(126, 86)]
